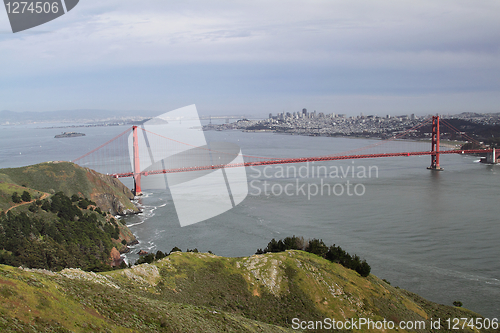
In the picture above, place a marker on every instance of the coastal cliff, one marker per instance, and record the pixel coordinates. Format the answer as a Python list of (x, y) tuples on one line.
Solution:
[(110, 194)]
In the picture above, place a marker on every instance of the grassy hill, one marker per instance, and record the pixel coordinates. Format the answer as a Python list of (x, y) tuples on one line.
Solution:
[(8, 187), (44, 179), (51, 177), (38, 232), (200, 292)]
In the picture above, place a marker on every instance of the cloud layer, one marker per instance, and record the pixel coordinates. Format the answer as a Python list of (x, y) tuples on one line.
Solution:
[(282, 53)]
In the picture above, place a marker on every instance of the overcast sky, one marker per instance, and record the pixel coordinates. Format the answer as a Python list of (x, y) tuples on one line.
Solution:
[(255, 57)]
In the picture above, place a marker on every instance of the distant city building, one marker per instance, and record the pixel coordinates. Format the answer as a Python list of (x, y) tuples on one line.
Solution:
[(331, 124)]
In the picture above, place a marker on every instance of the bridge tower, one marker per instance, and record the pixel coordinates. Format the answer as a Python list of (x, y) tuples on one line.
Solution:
[(435, 145), (492, 157), (137, 168)]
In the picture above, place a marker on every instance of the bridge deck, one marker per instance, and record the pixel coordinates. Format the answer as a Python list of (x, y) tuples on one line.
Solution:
[(302, 160)]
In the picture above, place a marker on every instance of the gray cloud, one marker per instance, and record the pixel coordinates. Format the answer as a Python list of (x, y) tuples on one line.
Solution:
[(332, 47)]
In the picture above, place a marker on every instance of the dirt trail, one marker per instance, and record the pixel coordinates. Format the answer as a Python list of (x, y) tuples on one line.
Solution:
[(45, 195)]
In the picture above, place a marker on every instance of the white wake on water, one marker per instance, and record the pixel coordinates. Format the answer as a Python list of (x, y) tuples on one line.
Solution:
[(134, 224)]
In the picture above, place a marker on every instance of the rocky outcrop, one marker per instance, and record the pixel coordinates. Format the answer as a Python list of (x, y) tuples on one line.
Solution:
[(115, 257), (111, 195), (111, 203), (126, 234)]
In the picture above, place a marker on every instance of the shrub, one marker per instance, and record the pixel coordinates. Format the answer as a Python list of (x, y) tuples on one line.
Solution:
[(288, 243), (46, 205), (147, 259), (160, 255), (363, 269), (26, 196), (83, 203), (176, 249), (317, 247), (33, 208), (16, 198)]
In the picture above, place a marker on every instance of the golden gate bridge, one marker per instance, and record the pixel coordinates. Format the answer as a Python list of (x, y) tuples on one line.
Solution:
[(113, 157)]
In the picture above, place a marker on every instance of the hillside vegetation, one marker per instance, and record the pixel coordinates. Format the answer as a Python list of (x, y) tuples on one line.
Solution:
[(200, 292), (51, 177), (45, 179), (57, 233)]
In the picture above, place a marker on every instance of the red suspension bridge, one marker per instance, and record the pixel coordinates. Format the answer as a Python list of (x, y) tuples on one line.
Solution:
[(122, 155)]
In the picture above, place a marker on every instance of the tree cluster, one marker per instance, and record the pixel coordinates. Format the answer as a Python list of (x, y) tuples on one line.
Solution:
[(317, 246), (72, 238), (25, 197), (150, 257)]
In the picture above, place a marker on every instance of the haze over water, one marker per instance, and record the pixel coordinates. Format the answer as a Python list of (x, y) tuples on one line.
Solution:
[(433, 233)]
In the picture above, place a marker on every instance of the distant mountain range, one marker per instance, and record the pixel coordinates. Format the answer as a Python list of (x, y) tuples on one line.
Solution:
[(83, 115)]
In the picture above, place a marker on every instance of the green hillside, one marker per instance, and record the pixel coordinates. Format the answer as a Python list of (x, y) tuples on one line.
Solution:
[(45, 179), (54, 215), (200, 292), (8, 188), (51, 177), (60, 232)]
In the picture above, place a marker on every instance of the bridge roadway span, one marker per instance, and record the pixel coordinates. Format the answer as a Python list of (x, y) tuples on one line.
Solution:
[(300, 160)]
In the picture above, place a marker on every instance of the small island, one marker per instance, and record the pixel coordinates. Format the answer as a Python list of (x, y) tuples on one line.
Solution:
[(69, 135)]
